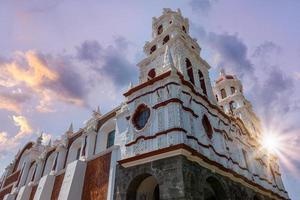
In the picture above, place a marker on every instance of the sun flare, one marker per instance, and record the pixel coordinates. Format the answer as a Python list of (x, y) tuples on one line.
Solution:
[(270, 143)]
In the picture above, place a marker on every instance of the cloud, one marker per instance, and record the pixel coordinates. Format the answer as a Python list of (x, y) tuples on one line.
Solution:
[(6, 144), (37, 5), (109, 61), (266, 48), (12, 99), (232, 53), (229, 51), (9, 143), (297, 75), (42, 80), (270, 88), (25, 128), (89, 51), (201, 6), (49, 78), (274, 94)]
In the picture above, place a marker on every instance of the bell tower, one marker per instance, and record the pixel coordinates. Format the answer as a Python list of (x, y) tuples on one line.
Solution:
[(170, 32), (230, 97)]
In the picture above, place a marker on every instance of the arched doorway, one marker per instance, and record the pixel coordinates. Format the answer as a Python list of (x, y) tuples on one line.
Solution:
[(256, 197), (213, 190), (143, 187)]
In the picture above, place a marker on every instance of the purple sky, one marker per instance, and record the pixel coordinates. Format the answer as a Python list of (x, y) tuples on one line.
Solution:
[(59, 59)]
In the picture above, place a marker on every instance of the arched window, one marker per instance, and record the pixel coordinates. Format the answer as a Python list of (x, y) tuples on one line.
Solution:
[(189, 69), (110, 139), (153, 48), (183, 28), (232, 105), (166, 39), (232, 90), (223, 93), (207, 127), (151, 74), (160, 30), (202, 82), (78, 153)]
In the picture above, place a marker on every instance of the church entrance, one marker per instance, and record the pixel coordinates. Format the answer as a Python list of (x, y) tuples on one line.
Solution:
[(213, 190), (143, 187)]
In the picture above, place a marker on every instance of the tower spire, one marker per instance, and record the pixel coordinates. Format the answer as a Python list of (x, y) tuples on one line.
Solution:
[(70, 128), (222, 72)]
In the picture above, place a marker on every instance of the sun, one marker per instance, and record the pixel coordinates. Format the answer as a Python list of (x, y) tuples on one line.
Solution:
[(270, 143)]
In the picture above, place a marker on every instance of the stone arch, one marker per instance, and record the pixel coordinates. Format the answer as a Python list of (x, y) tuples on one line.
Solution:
[(143, 186), (257, 197), (214, 188)]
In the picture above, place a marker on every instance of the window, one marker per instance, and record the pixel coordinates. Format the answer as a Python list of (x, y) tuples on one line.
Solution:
[(110, 139), (159, 30), (141, 116), (183, 28), (151, 74), (78, 153), (207, 127), (223, 93), (166, 39), (232, 90), (153, 48), (217, 98), (232, 105), (189, 69), (202, 82)]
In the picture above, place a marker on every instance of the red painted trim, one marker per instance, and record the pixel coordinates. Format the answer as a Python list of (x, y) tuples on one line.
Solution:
[(27, 146), (197, 154), (150, 92), (175, 100), (149, 82), (200, 144), (154, 136), (191, 86)]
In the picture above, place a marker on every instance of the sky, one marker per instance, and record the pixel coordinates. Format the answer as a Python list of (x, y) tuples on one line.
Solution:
[(60, 59)]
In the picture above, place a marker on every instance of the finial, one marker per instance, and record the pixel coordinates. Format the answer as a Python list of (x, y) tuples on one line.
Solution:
[(130, 85), (222, 72), (179, 11), (49, 143), (39, 139), (168, 60), (97, 111), (70, 130)]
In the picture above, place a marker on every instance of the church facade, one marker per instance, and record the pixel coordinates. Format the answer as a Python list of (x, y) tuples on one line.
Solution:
[(175, 136)]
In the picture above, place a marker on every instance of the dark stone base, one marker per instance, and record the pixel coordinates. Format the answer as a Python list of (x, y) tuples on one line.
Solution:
[(179, 178)]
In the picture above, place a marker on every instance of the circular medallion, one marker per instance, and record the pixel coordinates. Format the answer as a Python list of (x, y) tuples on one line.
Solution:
[(141, 116)]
